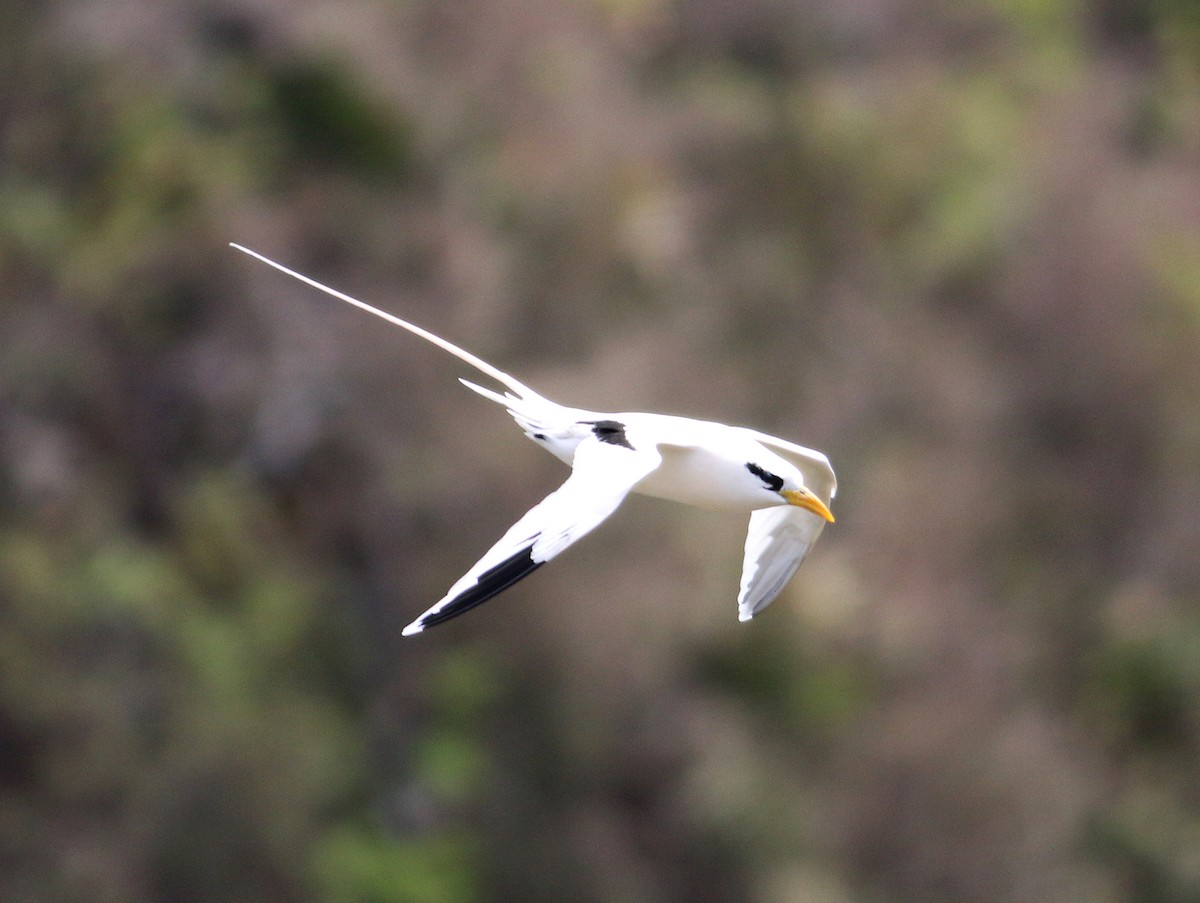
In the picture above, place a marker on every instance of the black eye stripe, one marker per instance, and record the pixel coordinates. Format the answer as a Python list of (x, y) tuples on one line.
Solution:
[(769, 479)]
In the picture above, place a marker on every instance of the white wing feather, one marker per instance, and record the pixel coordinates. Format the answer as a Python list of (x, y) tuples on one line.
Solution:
[(776, 543), (603, 475)]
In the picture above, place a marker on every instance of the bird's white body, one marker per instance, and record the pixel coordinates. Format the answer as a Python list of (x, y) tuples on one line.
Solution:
[(697, 476), (787, 488), (704, 463)]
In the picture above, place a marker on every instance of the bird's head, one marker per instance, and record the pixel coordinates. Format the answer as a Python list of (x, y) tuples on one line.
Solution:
[(793, 492)]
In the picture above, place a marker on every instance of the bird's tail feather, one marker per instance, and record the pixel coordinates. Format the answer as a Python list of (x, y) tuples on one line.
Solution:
[(533, 414), (521, 392)]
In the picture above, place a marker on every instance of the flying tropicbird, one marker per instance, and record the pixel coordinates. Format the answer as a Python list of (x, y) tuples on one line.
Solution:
[(786, 488)]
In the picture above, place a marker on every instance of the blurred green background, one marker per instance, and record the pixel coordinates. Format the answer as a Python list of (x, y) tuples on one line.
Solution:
[(956, 245)]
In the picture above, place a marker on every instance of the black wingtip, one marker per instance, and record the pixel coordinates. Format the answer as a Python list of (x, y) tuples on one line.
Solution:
[(491, 582)]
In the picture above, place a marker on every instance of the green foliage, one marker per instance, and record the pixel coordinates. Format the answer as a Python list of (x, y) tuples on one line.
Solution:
[(1175, 261), (931, 168), (450, 760), (1145, 691), (786, 679), (1152, 838), (329, 120), (188, 687), (1050, 34), (358, 866)]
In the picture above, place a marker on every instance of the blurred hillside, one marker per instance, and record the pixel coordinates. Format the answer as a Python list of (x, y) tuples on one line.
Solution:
[(953, 245)]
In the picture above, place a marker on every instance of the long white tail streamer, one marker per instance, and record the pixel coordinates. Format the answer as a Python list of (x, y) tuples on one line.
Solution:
[(482, 366)]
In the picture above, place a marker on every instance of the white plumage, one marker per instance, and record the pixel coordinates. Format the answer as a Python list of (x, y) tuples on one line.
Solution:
[(787, 488)]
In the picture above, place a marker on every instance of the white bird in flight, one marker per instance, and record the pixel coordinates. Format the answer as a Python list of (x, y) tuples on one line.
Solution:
[(787, 488)]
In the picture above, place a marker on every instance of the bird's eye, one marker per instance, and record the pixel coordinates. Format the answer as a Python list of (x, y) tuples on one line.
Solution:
[(770, 480)]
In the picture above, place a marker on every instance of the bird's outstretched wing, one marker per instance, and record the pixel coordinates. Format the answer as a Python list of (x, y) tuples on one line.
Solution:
[(776, 544), (602, 476)]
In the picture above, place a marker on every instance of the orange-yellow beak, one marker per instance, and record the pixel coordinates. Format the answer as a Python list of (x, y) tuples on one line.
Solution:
[(803, 498)]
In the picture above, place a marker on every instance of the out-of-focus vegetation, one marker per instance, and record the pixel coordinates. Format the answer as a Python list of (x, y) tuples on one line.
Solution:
[(954, 245)]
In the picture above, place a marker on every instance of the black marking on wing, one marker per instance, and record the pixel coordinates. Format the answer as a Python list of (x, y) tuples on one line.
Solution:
[(610, 431), (491, 582), (771, 481)]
